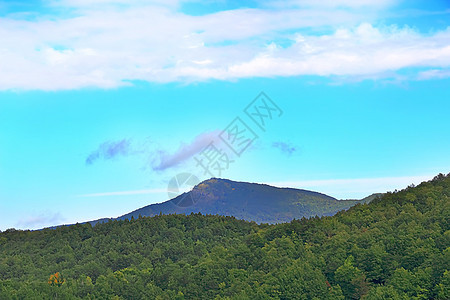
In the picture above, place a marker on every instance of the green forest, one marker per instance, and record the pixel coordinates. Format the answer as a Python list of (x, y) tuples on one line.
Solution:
[(396, 247)]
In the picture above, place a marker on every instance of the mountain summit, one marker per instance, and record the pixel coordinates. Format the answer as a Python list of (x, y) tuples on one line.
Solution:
[(248, 201)]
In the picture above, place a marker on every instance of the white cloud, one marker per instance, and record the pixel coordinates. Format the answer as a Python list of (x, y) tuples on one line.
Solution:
[(101, 4), (125, 193), (106, 47), (355, 187), (40, 220), (336, 3), (434, 74)]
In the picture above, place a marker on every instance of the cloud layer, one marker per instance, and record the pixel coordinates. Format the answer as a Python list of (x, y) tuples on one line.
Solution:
[(108, 44)]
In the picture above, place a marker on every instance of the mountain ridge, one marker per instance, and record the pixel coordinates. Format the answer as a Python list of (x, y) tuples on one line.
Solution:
[(258, 202)]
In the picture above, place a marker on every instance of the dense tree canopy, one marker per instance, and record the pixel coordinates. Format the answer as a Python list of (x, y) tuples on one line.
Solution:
[(396, 247)]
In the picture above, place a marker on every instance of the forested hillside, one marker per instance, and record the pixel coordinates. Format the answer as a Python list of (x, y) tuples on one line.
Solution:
[(396, 247)]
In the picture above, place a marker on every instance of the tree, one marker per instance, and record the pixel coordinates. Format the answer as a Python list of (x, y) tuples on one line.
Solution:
[(56, 279), (443, 288), (351, 280)]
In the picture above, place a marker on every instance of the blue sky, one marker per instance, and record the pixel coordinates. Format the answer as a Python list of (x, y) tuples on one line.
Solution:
[(103, 102)]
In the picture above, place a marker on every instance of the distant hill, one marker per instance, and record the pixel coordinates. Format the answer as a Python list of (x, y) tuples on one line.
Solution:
[(367, 199), (247, 201)]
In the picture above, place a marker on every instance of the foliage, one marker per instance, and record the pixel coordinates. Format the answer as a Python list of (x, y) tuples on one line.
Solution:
[(56, 279)]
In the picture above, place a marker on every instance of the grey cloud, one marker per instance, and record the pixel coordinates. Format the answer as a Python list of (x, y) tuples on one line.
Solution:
[(109, 150), (160, 159), (186, 151), (284, 147)]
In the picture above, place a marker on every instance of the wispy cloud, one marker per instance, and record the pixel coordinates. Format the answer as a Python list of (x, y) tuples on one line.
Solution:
[(334, 3), (158, 158), (355, 187), (340, 188), (119, 4), (125, 193), (40, 220), (185, 151), (284, 147), (434, 74), (109, 150), (108, 44)]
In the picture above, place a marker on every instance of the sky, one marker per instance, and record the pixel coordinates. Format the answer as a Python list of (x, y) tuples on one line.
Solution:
[(105, 104)]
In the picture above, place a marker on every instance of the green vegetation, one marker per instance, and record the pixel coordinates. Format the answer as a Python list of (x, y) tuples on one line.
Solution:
[(396, 247)]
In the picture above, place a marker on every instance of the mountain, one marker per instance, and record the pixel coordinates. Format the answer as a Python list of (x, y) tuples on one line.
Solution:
[(247, 201)]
